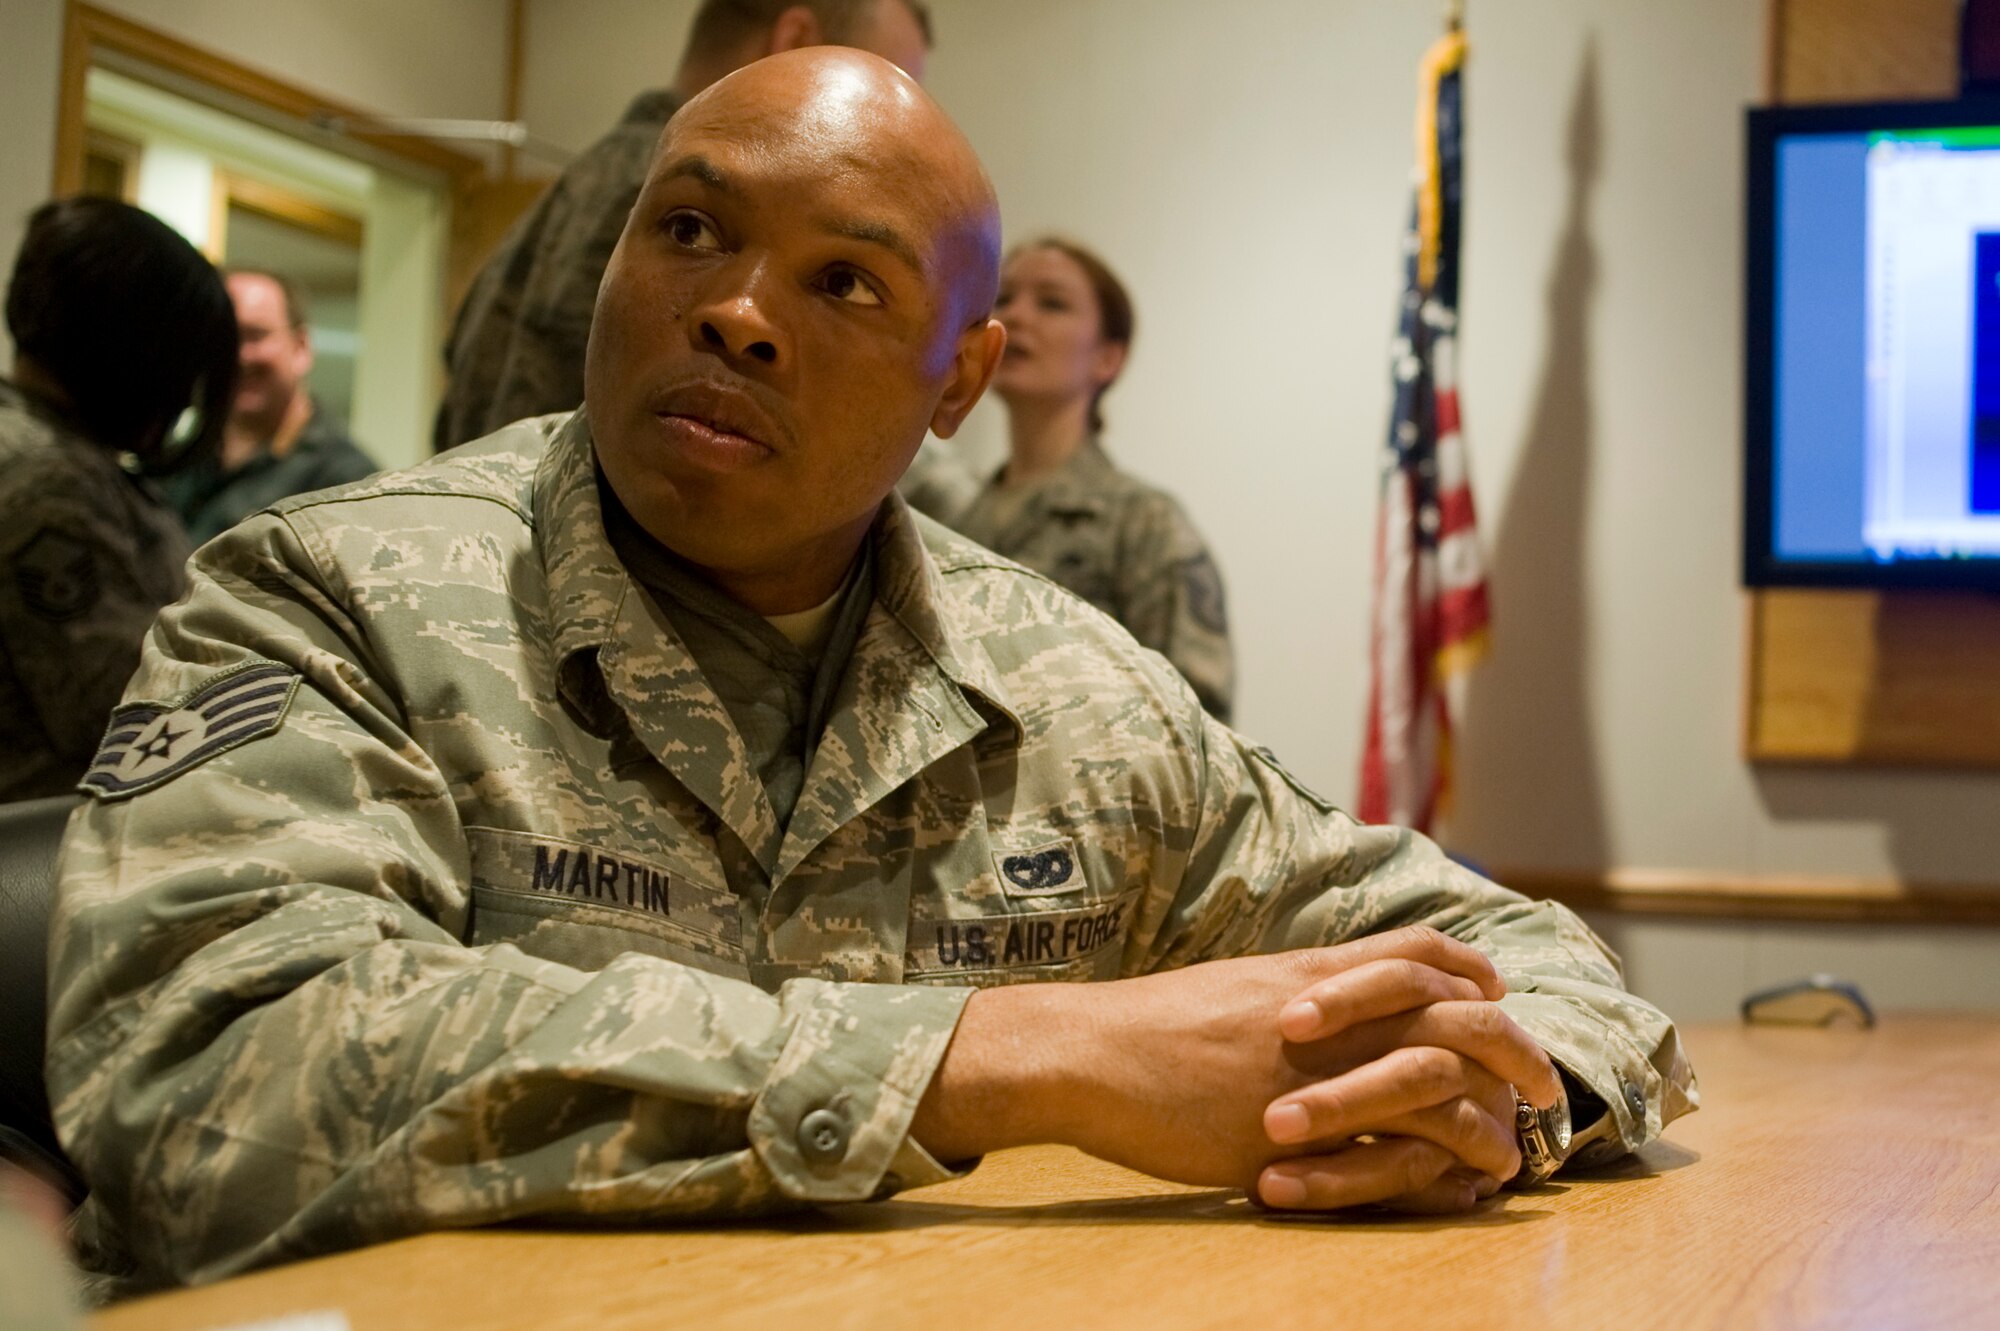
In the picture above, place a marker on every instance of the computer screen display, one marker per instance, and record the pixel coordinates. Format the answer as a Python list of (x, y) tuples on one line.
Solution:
[(1873, 402)]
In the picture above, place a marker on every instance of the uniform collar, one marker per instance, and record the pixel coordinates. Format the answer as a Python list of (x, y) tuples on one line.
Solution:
[(587, 585), (912, 666), (909, 586), (315, 433), (1078, 486)]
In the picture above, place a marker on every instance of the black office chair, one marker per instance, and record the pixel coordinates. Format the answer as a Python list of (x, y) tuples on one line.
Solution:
[(30, 833)]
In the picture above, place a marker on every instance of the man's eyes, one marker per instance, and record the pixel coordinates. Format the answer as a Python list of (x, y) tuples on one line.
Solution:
[(844, 283), (691, 230)]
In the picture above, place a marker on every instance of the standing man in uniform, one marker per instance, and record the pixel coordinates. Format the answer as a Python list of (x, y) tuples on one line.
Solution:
[(642, 814), (280, 441), (516, 349)]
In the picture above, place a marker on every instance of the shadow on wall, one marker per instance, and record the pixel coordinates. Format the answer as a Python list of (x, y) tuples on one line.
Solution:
[(1937, 826), (1528, 791)]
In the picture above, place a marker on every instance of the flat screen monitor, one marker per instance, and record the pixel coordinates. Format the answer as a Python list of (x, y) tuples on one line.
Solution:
[(1872, 404)]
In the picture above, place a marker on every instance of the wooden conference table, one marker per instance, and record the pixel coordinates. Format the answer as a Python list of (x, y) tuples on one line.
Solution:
[(1833, 1178)]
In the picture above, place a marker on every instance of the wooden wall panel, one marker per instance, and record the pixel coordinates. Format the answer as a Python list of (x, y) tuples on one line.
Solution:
[(1864, 50), (1864, 677), (1856, 677)]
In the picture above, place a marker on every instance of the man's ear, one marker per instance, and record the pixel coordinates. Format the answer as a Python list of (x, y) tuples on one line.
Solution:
[(795, 28), (972, 367)]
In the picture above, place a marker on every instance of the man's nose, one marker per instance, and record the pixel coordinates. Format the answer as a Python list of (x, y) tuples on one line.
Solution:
[(734, 320)]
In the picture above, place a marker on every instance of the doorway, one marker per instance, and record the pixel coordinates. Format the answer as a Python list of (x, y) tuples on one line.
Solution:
[(257, 174)]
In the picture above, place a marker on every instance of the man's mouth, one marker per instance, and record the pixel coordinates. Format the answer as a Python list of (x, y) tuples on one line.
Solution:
[(717, 428)]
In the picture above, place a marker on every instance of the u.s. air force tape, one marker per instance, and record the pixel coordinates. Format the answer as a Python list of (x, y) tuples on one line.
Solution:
[(150, 743)]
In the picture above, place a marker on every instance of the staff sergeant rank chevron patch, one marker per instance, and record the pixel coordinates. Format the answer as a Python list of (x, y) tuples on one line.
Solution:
[(149, 743)]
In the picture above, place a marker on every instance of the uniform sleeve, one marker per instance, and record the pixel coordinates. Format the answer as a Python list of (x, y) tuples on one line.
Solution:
[(543, 371), (520, 352), (267, 1039), (517, 349), (482, 334), (78, 587), (1171, 599), (1276, 867)]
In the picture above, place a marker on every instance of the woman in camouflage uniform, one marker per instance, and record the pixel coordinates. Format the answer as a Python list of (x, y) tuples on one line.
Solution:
[(1059, 505)]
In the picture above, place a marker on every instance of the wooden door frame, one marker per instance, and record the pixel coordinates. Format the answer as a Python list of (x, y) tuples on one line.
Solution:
[(88, 30), (233, 189)]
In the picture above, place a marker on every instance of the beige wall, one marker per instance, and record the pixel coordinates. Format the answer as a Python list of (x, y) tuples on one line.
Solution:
[(1700, 970), (435, 58), (439, 58), (1251, 187), (587, 58)]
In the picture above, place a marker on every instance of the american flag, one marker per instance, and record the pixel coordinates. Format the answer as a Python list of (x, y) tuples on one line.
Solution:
[(1430, 616)]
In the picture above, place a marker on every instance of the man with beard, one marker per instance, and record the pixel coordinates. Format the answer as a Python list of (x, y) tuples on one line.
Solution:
[(280, 441)]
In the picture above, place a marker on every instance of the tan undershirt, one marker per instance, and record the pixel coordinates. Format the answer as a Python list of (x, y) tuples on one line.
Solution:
[(808, 630)]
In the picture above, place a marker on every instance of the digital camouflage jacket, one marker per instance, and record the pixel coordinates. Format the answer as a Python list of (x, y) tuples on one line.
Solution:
[(425, 882)]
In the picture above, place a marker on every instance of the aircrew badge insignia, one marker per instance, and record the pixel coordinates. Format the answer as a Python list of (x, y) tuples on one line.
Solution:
[(149, 744), (1040, 872)]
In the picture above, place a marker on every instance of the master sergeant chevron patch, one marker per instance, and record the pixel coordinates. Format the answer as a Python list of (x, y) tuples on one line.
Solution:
[(149, 744)]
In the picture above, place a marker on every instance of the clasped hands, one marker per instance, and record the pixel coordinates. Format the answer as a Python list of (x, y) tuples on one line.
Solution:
[(1417, 1064), (1376, 1071)]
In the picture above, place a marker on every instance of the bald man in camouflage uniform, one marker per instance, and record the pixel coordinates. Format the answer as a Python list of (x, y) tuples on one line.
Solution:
[(641, 814), (516, 347)]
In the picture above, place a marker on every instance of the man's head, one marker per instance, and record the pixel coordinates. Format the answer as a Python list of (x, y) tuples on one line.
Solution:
[(125, 321), (728, 34), (804, 288), (276, 351)]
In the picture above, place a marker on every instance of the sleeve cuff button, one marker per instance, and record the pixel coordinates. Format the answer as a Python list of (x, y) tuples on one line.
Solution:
[(823, 1137)]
